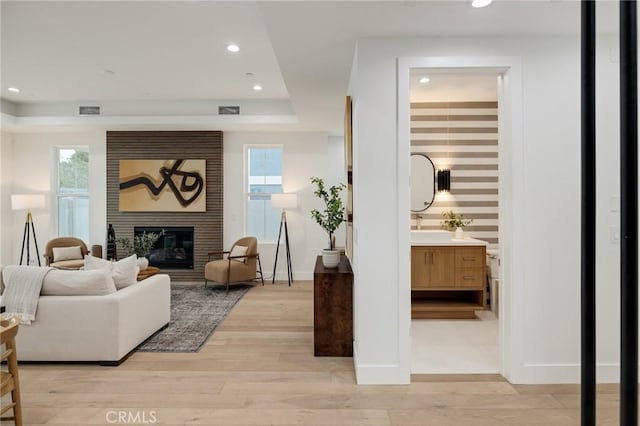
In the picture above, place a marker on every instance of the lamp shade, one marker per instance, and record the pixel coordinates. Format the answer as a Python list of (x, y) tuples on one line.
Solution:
[(27, 201), (284, 201)]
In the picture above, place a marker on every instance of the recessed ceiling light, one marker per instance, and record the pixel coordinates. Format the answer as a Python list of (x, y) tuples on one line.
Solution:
[(234, 48), (257, 87), (14, 89), (249, 74), (424, 80), (480, 3)]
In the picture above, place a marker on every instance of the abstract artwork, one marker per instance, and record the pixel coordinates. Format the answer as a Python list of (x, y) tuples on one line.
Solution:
[(162, 186)]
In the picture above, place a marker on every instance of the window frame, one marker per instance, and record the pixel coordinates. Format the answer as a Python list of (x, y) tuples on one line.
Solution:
[(55, 190), (245, 183)]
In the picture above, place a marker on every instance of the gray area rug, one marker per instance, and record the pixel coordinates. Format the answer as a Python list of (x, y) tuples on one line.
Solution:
[(195, 313)]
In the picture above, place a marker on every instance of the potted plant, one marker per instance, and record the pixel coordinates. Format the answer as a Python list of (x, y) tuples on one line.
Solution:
[(140, 245), (453, 221), (329, 219)]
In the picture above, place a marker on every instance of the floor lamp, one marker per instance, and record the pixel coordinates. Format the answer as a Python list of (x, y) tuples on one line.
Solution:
[(284, 202), (28, 202)]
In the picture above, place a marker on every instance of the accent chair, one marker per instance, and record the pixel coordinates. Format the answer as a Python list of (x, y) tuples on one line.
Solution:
[(61, 253), (238, 267)]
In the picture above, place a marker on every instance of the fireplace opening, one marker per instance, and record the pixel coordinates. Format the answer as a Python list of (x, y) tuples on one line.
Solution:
[(174, 248)]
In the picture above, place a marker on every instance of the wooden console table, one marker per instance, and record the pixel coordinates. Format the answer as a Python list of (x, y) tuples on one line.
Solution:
[(150, 271), (333, 309)]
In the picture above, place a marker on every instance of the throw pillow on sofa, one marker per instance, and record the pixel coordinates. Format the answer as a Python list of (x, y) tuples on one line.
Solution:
[(124, 271), (77, 283)]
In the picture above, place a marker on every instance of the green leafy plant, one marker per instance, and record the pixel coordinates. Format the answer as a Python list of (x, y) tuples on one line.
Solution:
[(333, 214), (452, 220), (141, 244)]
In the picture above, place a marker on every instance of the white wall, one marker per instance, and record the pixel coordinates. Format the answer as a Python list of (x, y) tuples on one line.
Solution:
[(304, 155), (546, 312), (6, 214), (26, 161), (32, 159)]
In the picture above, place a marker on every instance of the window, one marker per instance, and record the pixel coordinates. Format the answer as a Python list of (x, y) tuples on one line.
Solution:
[(73, 192), (264, 177)]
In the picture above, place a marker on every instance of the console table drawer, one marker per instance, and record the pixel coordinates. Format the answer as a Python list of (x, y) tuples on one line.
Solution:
[(470, 277)]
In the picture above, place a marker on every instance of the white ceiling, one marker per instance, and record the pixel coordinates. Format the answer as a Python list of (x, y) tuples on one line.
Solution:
[(453, 86), (174, 51), (58, 51)]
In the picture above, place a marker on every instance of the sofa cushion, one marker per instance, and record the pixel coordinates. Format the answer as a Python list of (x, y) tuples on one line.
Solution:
[(77, 283), (66, 253), (124, 271)]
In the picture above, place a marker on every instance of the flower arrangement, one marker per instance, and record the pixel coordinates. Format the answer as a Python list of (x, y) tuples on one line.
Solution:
[(452, 220), (141, 243), (333, 214)]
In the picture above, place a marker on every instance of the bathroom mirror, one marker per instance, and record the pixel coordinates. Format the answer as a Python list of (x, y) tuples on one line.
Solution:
[(423, 182)]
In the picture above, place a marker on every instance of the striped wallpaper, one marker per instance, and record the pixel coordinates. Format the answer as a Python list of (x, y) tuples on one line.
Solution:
[(462, 136)]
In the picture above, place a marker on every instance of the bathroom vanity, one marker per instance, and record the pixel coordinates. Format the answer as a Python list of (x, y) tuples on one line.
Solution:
[(448, 276)]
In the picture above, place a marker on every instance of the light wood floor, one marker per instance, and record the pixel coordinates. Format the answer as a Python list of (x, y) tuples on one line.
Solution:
[(259, 369)]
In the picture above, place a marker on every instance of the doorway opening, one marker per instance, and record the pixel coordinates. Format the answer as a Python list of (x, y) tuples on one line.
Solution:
[(454, 117)]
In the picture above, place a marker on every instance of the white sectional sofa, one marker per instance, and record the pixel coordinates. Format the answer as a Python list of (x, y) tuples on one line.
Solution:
[(102, 329)]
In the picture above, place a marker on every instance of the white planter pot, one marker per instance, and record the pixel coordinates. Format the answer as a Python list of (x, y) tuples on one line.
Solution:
[(330, 258), (458, 234), (143, 263)]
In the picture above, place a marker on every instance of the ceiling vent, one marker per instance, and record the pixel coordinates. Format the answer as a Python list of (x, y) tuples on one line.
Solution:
[(88, 110), (229, 110)]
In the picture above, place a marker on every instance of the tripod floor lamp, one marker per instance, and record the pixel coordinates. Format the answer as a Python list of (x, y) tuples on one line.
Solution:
[(284, 202), (28, 202)]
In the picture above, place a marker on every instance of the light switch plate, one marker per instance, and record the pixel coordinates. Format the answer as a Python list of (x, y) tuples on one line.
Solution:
[(614, 234), (614, 54), (614, 203)]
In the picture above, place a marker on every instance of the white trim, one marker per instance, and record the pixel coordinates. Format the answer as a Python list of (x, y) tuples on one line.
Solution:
[(511, 191), (299, 276), (378, 374), (142, 122)]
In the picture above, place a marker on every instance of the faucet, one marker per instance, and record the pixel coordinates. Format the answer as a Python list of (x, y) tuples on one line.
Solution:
[(418, 221)]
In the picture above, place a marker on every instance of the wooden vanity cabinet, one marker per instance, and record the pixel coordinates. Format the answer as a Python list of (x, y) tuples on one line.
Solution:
[(434, 267), (447, 281)]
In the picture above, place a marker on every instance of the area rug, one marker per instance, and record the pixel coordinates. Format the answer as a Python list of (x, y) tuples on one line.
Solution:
[(196, 311)]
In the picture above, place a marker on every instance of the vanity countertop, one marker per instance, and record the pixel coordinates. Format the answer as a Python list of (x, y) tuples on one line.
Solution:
[(452, 242), (441, 238)]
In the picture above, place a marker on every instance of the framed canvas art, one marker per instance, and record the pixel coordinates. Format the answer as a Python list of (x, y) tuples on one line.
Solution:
[(162, 185)]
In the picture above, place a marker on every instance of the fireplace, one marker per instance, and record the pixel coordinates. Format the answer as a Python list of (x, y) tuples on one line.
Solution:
[(174, 248)]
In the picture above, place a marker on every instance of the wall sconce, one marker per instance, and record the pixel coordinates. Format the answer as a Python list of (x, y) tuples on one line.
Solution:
[(444, 180)]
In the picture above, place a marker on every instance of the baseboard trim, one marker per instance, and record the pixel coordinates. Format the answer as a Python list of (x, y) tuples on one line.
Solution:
[(298, 276), (379, 374)]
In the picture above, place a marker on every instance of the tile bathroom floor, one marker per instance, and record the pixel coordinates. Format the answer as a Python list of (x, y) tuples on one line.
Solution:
[(455, 346)]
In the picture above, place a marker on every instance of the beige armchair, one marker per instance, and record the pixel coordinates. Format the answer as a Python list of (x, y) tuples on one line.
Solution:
[(239, 265), (66, 259)]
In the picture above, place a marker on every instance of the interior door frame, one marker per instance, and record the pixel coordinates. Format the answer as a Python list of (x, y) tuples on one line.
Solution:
[(511, 206)]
